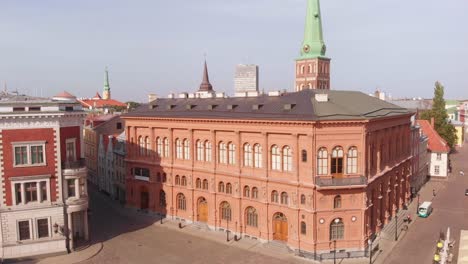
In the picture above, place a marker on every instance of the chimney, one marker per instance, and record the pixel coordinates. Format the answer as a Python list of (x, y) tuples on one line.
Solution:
[(432, 122), (152, 97)]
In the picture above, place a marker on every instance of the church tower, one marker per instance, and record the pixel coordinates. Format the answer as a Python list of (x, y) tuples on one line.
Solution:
[(106, 94), (312, 67)]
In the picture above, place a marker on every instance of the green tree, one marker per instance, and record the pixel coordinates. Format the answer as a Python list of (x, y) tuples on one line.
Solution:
[(132, 105), (439, 113)]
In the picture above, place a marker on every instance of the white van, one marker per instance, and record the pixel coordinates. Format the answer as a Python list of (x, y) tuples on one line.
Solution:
[(425, 209)]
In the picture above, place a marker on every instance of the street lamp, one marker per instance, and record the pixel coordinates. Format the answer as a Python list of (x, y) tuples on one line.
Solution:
[(337, 221), (417, 207), (396, 225)]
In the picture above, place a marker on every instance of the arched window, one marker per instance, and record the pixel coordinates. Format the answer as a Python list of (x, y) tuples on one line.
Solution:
[(166, 147), (228, 188), (179, 152), (221, 187), (158, 177), (177, 180), (257, 156), (159, 146), (181, 203), (287, 159), (225, 209), (337, 229), (303, 199), (254, 193), (304, 155), (186, 149), (252, 216), (147, 146), (232, 153), (207, 151), (205, 184), (164, 178), (200, 150), (198, 183), (337, 161), (302, 69), (310, 68), (183, 182), (284, 198), (274, 197), (141, 144), (247, 155), (337, 202), (303, 228), (322, 162), (275, 158), (222, 153), (162, 198), (246, 191), (352, 160)]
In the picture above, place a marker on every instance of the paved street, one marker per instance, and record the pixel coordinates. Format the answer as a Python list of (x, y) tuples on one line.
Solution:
[(129, 239), (450, 210)]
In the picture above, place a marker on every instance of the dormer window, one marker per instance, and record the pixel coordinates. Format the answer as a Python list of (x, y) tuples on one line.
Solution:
[(257, 106)]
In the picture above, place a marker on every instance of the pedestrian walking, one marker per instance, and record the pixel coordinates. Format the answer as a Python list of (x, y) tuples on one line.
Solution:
[(462, 173), (433, 192)]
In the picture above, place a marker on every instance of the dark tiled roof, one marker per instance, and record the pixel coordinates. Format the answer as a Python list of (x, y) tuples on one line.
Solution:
[(301, 106)]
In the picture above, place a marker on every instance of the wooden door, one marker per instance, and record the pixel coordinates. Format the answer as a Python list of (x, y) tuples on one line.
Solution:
[(280, 227), (202, 211), (144, 203)]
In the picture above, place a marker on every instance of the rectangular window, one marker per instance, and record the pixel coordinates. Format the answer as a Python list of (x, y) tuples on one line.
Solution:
[(43, 191), (24, 231), (43, 228), (71, 150), (437, 170), (31, 192), (21, 155), (31, 154), (18, 193), (71, 187), (439, 156)]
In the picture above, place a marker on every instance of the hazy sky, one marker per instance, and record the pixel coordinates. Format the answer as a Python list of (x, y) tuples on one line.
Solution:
[(155, 46)]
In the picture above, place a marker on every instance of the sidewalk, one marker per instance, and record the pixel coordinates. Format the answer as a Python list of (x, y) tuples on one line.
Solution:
[(425, 194), (72, 258)]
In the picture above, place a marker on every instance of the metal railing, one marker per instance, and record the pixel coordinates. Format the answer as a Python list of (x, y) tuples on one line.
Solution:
[(76, 164), (327, 181)]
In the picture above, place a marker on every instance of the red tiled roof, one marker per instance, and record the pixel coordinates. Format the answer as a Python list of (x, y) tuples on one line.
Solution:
[(436, 142), (100, 103), (65, 94)]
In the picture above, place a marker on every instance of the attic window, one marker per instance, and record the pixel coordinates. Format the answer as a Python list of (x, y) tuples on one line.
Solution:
[(189, 107), (288, 106), (212, 107), (153, 106), (35, 108), (18, 109), (231, 107), (169, 107), (257, 106)]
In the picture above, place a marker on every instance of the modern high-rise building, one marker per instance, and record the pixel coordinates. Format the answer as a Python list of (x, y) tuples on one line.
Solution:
[(246, 78)]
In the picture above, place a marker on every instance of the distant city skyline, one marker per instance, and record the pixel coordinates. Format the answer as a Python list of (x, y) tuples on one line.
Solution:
[(158, 47)]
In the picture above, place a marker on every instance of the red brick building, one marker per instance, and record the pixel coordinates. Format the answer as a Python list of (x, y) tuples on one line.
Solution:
[(42, 175)]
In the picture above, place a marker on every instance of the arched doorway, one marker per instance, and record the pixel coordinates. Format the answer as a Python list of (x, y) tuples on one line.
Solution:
[(202, 210), (144, 198), (280, 227)]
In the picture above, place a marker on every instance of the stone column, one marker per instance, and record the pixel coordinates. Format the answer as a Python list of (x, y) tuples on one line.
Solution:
[(77, 188), (70, 230), (23, 194), (39, 191)]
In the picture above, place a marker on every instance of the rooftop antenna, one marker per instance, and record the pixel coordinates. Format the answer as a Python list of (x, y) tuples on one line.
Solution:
[(4, 87)]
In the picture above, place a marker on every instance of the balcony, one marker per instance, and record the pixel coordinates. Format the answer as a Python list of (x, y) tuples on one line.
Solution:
[(74, 168), (324, 182)]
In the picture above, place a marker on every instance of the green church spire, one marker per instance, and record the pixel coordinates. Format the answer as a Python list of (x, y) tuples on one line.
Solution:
[(313, 45), (106, 81)]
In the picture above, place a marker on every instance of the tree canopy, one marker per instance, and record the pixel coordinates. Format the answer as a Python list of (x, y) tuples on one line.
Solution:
[(439, 113)]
